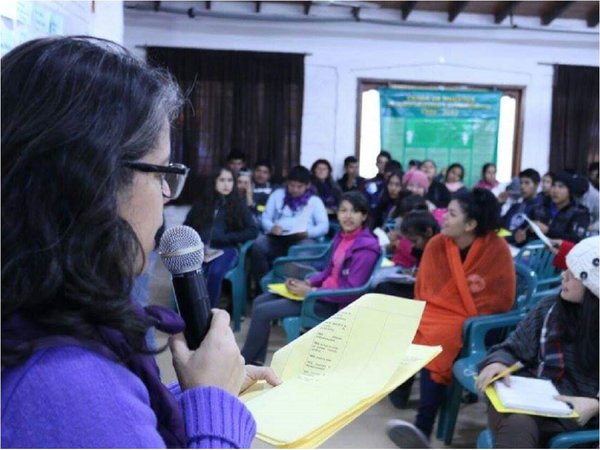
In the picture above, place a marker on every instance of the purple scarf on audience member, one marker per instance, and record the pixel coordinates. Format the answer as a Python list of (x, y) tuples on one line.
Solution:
[(295, 203), (114, 346)]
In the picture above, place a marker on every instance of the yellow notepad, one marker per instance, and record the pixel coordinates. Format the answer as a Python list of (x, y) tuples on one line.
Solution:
[(530, 396), (386, 262), (337, 370), (503, 232), (281, 289)]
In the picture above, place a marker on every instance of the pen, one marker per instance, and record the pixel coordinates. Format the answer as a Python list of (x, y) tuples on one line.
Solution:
[(515, 367)]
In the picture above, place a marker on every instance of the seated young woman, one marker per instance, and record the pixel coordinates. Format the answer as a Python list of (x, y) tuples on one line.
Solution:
[(466, 271), (224, 222), (417, 227), (327, 188), (405, 203), (557, 340), (355, 253), (383, 213)]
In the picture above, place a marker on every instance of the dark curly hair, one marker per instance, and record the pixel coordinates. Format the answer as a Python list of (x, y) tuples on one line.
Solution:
[(73, 109), (482, 206), (322, 190)]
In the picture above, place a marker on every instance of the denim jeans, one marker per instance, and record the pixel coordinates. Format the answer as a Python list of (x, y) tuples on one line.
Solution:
[(268, 307), (432, 394), (215, 271)]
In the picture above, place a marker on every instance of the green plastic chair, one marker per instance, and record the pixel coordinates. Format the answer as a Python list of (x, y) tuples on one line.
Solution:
[(537, 256), (239, 286), (475, 344), (296, 266), (300, 250), (562, 440), (309, 318)]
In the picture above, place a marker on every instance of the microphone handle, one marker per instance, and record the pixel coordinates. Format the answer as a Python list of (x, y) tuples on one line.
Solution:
[(193, 305)]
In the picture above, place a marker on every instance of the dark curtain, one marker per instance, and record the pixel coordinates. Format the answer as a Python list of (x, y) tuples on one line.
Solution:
[(574, 135), (235, 100)]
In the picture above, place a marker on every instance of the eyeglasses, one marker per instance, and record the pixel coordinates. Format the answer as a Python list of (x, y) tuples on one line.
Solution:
[(173, 176)]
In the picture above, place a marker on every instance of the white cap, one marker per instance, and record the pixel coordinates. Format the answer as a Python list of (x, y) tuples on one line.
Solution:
[(583, 262)]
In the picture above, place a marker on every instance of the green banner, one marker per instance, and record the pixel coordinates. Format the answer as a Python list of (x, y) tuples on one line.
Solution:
[(444, 126)]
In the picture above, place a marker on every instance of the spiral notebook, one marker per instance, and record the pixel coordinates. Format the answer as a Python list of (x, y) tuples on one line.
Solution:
[(532, 396)]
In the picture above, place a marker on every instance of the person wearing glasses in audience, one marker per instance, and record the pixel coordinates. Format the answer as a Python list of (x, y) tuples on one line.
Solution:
[(85, 174)]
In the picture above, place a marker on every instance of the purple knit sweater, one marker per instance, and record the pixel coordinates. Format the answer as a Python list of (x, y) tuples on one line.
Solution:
[(71, 396)]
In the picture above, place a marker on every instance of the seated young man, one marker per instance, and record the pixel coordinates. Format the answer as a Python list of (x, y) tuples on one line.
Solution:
[(236, 161), (292, 215), (374, 186), (261, 183), (351, 180), (562, 217), (513, 220)]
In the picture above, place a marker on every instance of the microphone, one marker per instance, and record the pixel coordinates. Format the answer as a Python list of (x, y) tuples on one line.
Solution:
[(182, 253)]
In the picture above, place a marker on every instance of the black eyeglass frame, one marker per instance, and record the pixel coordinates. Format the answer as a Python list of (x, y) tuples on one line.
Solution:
[(175, 168), (172, 168)]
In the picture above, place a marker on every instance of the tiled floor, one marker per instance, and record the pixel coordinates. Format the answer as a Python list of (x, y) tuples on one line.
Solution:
[(367, 431)]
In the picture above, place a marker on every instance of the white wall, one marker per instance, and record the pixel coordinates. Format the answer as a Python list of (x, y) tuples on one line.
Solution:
[(23, 20), (338, 54), (107, 20)]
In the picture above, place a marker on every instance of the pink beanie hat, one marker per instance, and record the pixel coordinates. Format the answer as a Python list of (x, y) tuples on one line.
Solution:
[(416, 177)]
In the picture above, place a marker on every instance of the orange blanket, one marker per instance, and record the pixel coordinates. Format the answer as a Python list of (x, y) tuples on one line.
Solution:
[(454, 291)]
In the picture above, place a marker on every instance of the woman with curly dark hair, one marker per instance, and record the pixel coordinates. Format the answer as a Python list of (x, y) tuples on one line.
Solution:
[(85, 174), (465, 271), (224, 222), (327, 188)]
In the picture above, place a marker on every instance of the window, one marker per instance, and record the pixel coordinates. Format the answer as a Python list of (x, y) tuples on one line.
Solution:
[(509, 126)]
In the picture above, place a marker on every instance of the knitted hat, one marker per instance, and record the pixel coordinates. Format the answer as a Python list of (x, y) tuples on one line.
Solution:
[(583, 262), (416, 177), (568, 179)]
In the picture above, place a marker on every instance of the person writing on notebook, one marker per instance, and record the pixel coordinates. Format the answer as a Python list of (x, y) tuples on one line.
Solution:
[(353, 257), (223, 222), (293, 215), (557, 340)]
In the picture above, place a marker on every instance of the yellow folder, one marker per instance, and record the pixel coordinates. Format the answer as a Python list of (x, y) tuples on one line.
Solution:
[(281, 289), (492, 395), (337, 370)]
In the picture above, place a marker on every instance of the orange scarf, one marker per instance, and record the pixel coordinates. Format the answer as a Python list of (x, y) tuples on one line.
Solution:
[(483, 284)]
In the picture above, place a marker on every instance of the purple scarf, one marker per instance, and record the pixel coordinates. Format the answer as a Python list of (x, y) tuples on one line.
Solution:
[(113, 345), (295, 203)]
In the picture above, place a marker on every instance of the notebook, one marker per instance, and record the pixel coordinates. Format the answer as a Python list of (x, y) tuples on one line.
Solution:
[(528, 396)]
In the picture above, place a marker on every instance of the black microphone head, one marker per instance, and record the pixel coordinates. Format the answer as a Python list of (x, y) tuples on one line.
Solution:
[(181, 250)]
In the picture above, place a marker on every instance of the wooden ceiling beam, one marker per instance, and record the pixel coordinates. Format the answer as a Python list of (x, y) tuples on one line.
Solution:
[(554, 13), (407, 8), (592, 17), (356, 13), (257, 7), (156, 6), (504, 10), (455, 9), (207, 6)]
